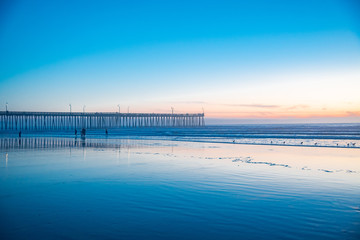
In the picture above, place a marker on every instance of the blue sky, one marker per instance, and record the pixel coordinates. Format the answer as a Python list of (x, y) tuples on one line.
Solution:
[(233, 58)]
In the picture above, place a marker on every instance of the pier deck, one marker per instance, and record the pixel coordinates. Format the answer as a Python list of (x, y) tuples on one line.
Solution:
[(15, 120)]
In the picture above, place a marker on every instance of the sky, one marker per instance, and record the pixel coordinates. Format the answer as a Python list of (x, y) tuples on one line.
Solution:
[(238, 61)]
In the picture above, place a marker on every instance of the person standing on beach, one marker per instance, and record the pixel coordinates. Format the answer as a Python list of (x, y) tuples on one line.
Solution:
[(83, 132)]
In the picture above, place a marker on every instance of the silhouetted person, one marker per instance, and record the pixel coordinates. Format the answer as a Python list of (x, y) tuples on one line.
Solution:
[(20, 134), (83, 132), (75, 132), (106, 132)]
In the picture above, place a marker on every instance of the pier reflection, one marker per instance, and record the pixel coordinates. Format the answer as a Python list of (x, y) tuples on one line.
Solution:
[(56, 142)]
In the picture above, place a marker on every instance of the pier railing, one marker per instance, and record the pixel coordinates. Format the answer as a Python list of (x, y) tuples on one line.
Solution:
[(14, 120)]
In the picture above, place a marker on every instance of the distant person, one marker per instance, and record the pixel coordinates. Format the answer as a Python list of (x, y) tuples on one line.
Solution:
[(106, 132), (83, 132), (75, 132), (20, 134)]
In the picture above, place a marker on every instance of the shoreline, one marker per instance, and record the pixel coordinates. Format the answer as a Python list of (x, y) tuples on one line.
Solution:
[(218, 140)]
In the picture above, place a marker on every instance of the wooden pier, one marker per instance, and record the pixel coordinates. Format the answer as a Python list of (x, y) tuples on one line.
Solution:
[(41, 121)]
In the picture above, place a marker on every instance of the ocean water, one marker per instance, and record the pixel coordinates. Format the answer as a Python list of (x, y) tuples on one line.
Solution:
[(151, 188)]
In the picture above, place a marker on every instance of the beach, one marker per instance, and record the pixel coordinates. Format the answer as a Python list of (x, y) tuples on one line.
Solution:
[(73, 188)]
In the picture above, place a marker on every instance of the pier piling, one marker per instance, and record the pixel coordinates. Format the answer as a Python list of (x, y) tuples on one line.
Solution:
[(41, 121)]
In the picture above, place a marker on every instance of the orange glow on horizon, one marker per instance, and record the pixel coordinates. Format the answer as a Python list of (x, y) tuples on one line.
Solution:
[(280, 115)]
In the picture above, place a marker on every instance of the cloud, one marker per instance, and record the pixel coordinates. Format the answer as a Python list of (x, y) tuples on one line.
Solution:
[(188, 102), (300, 106), (353, 114), (251, 105)]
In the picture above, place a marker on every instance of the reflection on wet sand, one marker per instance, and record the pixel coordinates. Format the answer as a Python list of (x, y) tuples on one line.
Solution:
[(55, 142)]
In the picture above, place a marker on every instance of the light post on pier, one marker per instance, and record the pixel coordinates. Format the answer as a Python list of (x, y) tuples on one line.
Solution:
[(203, 120), (70, 116), (83, 122)]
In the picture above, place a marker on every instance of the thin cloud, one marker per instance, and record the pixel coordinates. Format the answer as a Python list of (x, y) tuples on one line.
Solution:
[(252, 105), (300, 106), (188, 102), (353, 114)]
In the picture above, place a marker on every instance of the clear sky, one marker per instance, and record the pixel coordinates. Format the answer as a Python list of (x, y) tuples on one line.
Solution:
[(239, 60)]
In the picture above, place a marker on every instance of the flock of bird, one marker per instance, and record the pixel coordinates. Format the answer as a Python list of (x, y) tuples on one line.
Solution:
[(348, 144)]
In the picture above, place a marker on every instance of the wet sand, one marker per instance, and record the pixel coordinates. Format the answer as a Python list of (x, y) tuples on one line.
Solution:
[(134, 189)]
